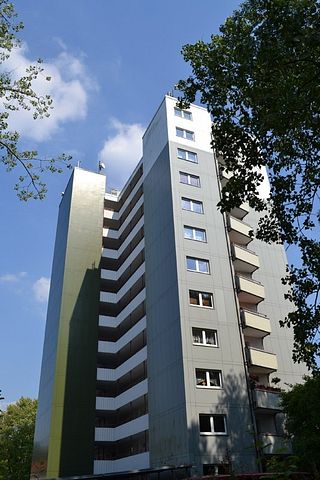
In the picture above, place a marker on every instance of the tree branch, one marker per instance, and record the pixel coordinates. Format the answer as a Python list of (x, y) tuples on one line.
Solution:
[(4, 145)]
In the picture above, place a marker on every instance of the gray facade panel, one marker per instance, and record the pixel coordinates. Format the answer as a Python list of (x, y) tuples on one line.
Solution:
[(166, 396)]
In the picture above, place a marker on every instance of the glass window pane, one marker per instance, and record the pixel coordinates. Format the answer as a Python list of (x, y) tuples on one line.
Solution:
[(197, 207), (203, 266), (194, 297), (191, 263), (179, 132), (178, 112), (189, 135), (205, 426), (200, 235), (197, 335), (218, 424), (206, 299), (186, 204), (187, 115), (194, 180), (211, 337), (183, 177), (188, 232), (201, 378), (214, 378), (182, 153), (192, 157)]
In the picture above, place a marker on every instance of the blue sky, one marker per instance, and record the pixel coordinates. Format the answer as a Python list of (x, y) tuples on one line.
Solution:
[(111, 62)]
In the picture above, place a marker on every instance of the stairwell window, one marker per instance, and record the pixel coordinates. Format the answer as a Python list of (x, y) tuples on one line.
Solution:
[(187, 155), (212, 424), (208, 378), (189, 179), (205, 336), (199, 265), (182, 113), (192, 205), (201, 299), (193, 233), (183, 133)]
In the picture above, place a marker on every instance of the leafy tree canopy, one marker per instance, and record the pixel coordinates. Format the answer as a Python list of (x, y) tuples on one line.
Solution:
[(18, 94), (16, 439), (259, 79), (301, 406)]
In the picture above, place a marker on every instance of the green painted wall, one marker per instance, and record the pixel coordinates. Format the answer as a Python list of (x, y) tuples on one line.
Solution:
[(65, 423)]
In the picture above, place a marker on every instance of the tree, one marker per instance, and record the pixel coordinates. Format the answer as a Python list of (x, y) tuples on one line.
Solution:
[(17, 94), (301, 407), (16, 439), (259, 79)]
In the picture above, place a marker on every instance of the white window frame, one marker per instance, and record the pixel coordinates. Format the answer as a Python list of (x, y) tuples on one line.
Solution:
[(187, 155), (194, 230), (186, 114), (189, 176), (207, 384), (204, 332), (212, 424), (185, 134), (197, 265), (201, 300), (192, 202)]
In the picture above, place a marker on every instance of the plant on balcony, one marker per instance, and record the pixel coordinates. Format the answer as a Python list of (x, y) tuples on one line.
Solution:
[(254, 383)]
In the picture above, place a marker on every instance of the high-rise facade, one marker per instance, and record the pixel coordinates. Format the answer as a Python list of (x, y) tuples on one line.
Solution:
[(162, 333)]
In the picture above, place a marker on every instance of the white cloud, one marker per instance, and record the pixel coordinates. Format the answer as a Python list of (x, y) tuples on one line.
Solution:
[(12, 277), (121, 152), (69, 87), (41, 289)]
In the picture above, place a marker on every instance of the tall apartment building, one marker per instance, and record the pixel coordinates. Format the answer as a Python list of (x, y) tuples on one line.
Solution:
[(162, 332)]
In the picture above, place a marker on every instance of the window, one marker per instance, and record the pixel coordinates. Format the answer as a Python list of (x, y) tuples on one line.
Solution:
[(208, 378), (202, 299), (187, 155), (183, 113), (189, 179), (212, 424), (198, 265), (203, 336), (183, 133), (192, 205), (192, 233)]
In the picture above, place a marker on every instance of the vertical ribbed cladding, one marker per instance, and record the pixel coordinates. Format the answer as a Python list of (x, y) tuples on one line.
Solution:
[(121, 424), (64, 438)]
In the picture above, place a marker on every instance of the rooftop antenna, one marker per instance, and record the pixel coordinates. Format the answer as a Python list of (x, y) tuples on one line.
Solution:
[(101, 166)]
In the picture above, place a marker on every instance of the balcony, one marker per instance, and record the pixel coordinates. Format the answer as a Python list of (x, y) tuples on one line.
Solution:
[(249, 291), (261, 362), (273, 444), (254, 324), (244, 260), (241, 211), (239, 232), (266, 400)]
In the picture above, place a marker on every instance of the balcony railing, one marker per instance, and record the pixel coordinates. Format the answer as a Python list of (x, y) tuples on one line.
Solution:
[(273, 444), (254, 324), (249, 290), (241, 211), (261, 361), (266, 400), (239, 231), (244, 260)]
